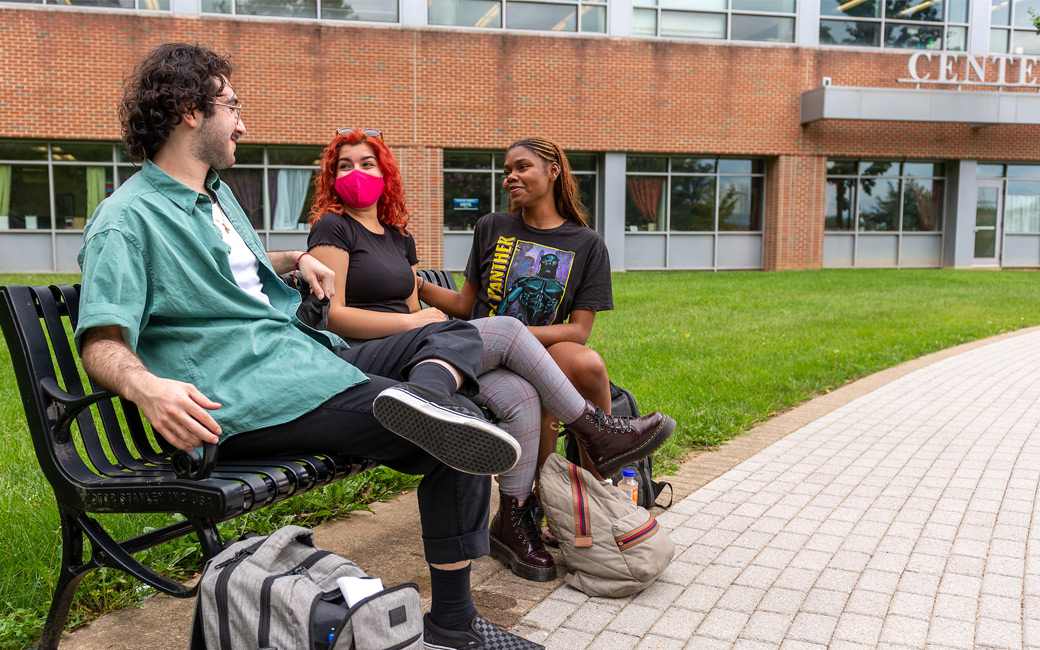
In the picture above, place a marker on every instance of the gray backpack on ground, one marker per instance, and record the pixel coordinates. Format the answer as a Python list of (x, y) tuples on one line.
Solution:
[(279, 593)]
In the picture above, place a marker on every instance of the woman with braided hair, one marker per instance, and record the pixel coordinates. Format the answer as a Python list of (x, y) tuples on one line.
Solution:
[(542, 264), (358, 229)]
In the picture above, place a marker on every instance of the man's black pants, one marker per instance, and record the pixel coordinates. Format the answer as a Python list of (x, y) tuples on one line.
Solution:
[(453, 506)]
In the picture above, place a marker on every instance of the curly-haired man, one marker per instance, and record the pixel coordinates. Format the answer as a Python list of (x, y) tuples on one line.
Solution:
[(184, 313)]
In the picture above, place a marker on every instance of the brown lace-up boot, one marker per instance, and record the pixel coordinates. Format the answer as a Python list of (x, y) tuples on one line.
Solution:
[(613, 442), (515, 539)]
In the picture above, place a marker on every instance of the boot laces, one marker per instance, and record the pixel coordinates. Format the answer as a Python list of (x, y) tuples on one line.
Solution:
[(523, 520), (611, 423)]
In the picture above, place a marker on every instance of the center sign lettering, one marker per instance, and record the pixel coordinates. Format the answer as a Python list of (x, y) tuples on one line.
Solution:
[(972, 70)]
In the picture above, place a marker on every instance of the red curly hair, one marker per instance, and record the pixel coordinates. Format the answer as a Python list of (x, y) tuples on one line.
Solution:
[(390, 210)]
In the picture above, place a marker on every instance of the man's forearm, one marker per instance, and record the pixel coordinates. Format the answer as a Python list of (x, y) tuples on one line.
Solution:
[(111, 362), (283, 261)]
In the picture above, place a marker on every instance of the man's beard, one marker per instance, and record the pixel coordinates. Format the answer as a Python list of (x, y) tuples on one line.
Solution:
[(211, 147)]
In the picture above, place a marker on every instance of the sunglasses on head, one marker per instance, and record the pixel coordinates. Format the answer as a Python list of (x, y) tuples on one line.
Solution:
[(369, 133)]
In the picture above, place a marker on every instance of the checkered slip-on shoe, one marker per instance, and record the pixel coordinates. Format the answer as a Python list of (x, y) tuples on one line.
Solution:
[(480, 636), (450, 432)]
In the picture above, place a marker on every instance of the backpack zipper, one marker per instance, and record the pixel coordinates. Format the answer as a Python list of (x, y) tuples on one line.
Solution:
[(263, 630), (220, 592)]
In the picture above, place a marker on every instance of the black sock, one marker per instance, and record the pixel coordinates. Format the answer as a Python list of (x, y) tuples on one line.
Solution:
[(433, 375), (452, 607)]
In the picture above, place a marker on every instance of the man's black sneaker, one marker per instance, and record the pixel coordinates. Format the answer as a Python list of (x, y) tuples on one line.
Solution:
[(450, 432), (481, 635)]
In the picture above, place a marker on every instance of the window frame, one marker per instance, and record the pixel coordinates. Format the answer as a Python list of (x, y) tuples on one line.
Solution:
[(728, 12)]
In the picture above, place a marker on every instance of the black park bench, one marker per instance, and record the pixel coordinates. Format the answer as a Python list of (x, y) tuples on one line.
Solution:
[(100, 457)]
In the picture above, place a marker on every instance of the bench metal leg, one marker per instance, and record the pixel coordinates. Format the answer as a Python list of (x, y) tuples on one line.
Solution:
[(69, 575)]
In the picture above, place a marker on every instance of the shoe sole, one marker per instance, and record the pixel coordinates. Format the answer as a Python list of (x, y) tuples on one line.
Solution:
[(612, 466), (518, 566), (468, 444)]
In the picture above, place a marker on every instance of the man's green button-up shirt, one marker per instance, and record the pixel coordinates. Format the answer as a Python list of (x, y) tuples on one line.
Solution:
[(155, 265)]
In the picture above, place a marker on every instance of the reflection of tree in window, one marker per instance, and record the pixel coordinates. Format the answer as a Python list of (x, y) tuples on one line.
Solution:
[(465, 185), (920, 212), (843, 191), (693, 203), (734, 202), (927, 10), (882, 212), (851, 33)]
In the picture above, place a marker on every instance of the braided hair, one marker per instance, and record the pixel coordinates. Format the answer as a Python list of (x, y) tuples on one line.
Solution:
[(565, 190)]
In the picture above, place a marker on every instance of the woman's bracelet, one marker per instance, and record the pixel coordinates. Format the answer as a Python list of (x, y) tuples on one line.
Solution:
[(296, 267), (422, 283)]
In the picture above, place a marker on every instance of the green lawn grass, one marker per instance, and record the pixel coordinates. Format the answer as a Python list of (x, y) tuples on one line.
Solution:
[(717, 351)]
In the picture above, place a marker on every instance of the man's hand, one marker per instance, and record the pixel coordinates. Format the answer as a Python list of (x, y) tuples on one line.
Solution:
[(176, 410), (321, 278)]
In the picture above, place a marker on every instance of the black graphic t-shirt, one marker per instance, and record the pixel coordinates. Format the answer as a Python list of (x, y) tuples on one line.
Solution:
[(537, 276), (379, 274)]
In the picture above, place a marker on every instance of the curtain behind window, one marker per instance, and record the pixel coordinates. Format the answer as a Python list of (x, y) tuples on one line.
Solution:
[(5, 190), (292, 193)]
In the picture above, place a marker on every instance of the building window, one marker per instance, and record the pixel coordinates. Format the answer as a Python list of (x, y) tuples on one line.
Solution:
[(693, 194), (1021, 196), (738, 20), (473, 186), (884, 196), (588, 16), (1011, 27), (145, 5), (58, 185), (912, 24), (381, 11)]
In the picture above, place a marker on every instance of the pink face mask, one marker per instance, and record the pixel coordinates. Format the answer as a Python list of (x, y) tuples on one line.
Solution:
[(358, 189)]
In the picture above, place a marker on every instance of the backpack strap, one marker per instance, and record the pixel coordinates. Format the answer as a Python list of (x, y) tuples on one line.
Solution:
[(658, 487), (580, 500)]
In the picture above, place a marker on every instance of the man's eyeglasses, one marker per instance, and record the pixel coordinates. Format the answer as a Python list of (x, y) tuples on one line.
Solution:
[(369, 133), (235, 108)]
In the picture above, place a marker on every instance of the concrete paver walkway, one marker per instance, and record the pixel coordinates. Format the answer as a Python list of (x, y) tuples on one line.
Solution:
[(904, 518)]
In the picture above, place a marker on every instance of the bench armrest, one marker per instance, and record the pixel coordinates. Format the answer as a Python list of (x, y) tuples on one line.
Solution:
[(65, 407)]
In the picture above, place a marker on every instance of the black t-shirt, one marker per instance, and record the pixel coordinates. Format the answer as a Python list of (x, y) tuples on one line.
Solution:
[(537, 276), (379, 275)]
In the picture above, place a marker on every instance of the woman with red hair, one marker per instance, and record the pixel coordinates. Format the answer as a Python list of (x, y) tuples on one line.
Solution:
[(358, 230)]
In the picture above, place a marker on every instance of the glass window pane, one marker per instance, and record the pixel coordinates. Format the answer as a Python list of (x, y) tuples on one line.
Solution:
[(693, 203), (1000, 12), (78, 190), (922, 169), (851, 8), (467, 160), (879, 168), (999, 40), (1023, 42), (779, 6), (1023, 171), (594, 19), (917, 37), (308, 156), (294, 9), (702, 5), (740, 201), (956, 38), (534, 15), (841, 199), (687, 24), (1022, 207), (291, 194), (644, 203), (22, 150), (126, 172), (693, 165), (249, 155), (843, 167), (29, 206), (990, 171), (117, 4), (922, 205), (847, 32), (774, 29), (582, 162), (931, 11), (81, 151), (216, 6), (644, 22), (731, 166), (466, 13), (878, 204), (467, 197), (646, 164), (587, 192), (248, 187), (384, 11), (1021, 12), (958, 11), (501, 196)]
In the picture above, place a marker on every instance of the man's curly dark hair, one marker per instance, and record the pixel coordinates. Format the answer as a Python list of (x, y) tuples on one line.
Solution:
[(175, 78)]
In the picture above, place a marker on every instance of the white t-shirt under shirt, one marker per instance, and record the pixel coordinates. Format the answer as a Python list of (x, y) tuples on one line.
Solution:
[(244, 265)]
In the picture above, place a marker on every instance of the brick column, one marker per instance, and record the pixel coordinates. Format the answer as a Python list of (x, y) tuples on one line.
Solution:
[(793, 228), (421, 171)]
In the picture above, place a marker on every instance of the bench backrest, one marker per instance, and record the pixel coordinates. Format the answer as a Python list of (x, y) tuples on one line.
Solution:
[(37, 323)]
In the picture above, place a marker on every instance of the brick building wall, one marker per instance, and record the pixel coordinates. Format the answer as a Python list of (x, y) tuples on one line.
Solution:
[(431, 89)]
